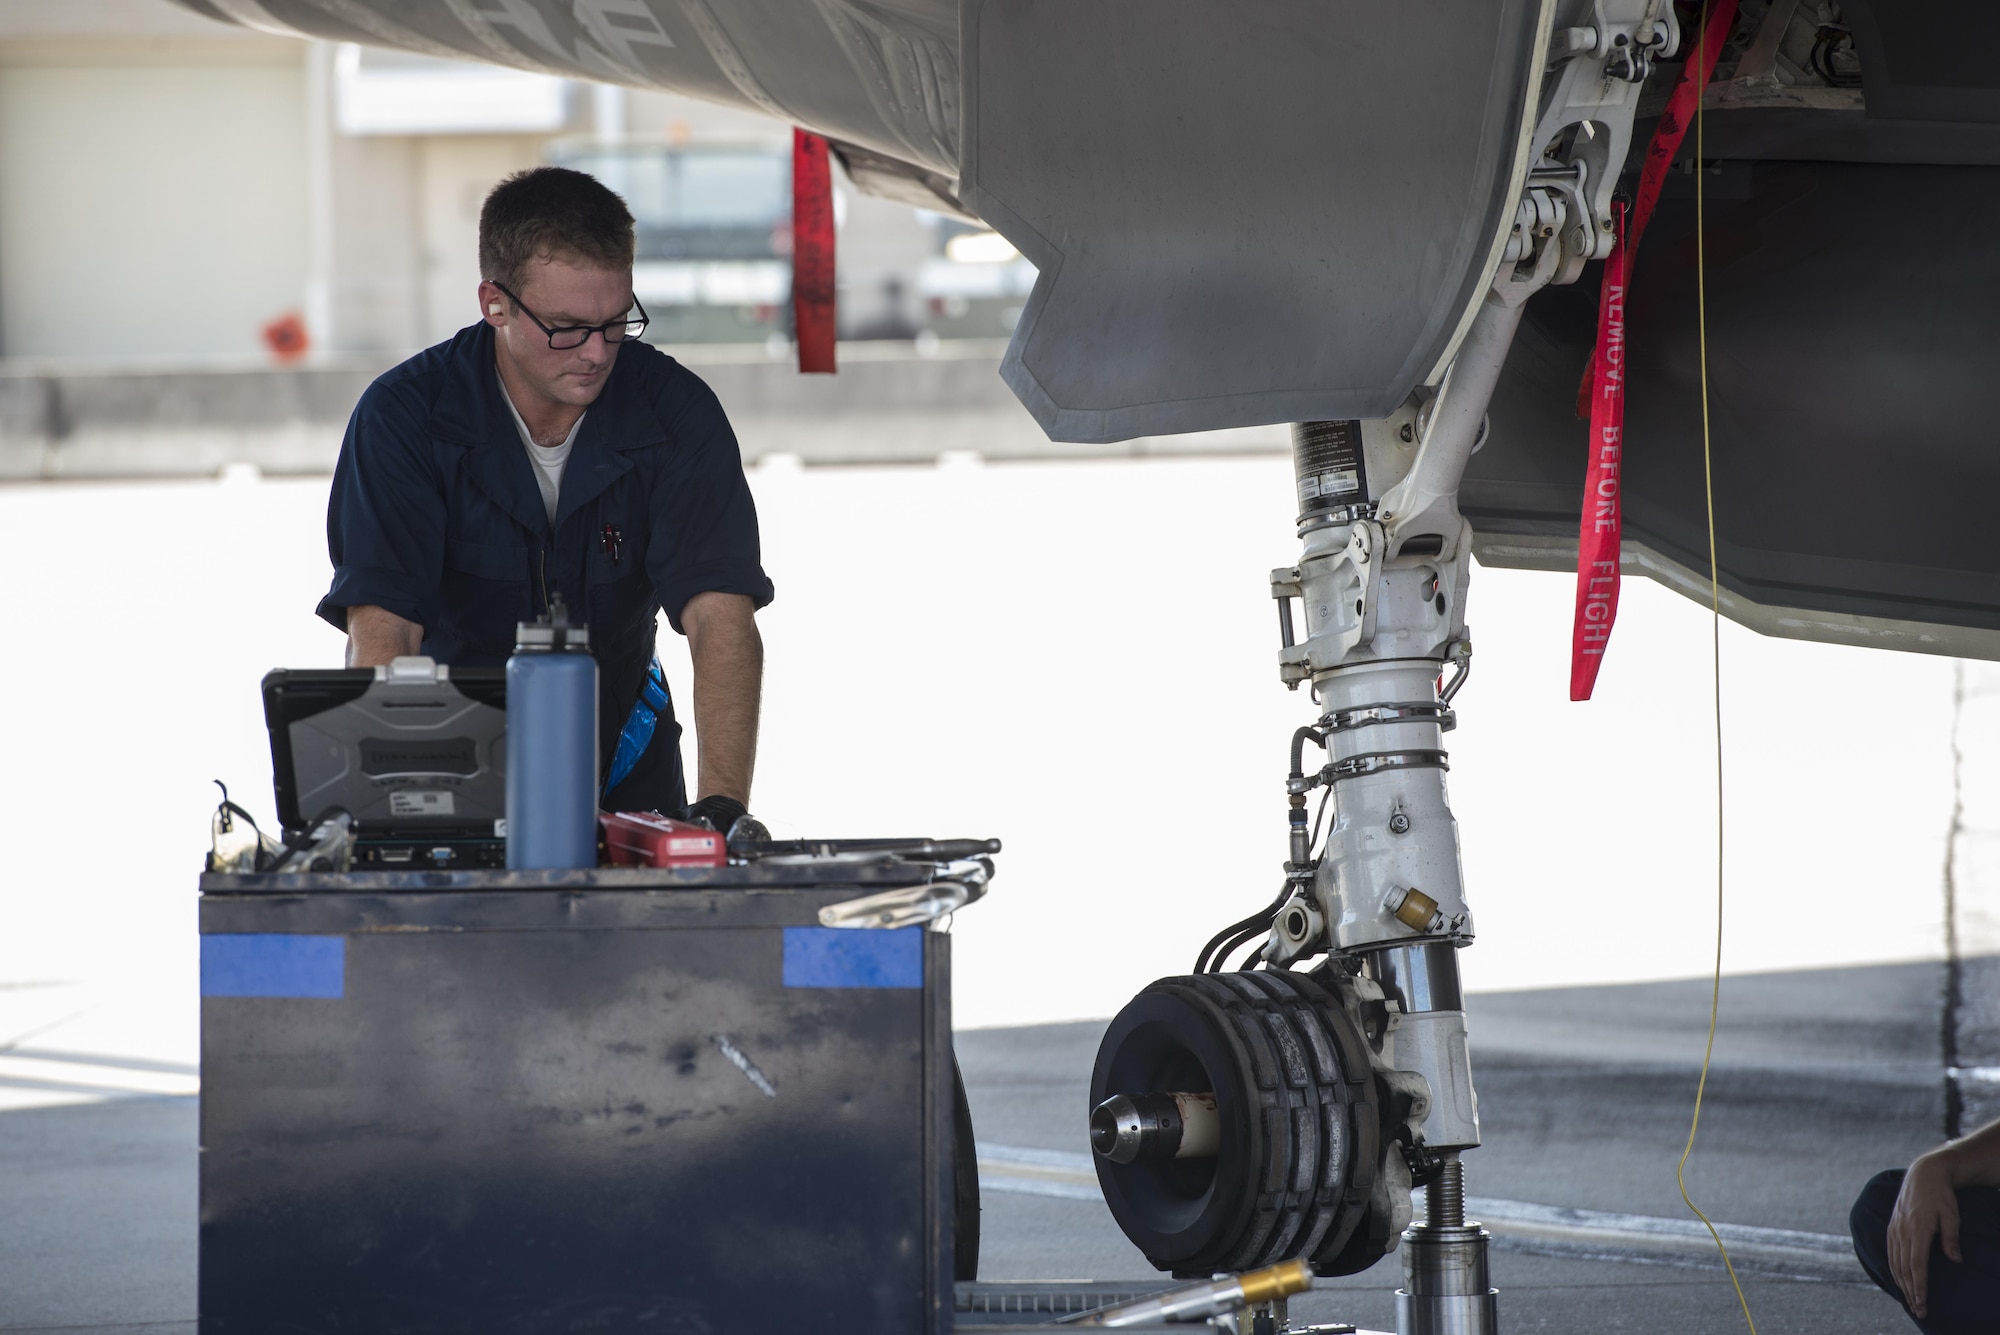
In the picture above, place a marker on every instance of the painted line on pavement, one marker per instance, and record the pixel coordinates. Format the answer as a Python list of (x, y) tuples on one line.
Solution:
[(1556, 1229), (44, 1079), (1028, 1172)]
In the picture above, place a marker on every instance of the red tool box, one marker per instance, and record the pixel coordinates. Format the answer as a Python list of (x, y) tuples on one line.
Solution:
[(648, 839)]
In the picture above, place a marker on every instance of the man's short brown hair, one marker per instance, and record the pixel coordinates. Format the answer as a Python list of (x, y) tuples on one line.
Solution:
[(551, 213)]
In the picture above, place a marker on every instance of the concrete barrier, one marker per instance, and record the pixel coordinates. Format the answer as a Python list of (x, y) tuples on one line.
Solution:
[(83, 422), (890, 403)]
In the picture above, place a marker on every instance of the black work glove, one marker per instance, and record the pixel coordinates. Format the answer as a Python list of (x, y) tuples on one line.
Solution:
[(727, 815), (717, 812)]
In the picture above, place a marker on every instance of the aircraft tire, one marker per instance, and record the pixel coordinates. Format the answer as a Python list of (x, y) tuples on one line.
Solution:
[(1300, 1122)]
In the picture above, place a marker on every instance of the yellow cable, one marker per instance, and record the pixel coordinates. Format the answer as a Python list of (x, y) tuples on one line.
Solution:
[(1715, 654)]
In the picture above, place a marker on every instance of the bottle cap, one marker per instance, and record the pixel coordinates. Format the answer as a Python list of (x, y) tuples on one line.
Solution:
[(552, 633)]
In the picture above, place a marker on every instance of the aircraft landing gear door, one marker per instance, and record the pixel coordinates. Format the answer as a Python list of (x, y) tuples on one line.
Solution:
[(1210, 258)]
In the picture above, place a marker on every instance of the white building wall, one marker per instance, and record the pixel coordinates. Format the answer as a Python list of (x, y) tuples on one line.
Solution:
[(169, 186), (152, 197), (374, 247), (455, 174)]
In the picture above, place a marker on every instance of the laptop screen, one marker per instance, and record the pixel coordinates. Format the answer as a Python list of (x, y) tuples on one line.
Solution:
[(413, 750)]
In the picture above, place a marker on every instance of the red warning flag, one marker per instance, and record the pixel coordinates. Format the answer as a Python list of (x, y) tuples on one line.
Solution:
[(1601, 397), (812, 252), (1603, 522)]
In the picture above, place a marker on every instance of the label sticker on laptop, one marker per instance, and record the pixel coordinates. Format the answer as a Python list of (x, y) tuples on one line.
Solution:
[(420, 802)]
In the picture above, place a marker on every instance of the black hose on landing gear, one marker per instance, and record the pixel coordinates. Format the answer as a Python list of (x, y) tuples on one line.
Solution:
[(1230, 939), (1299, 739), (1226, 941), (1220, 963)]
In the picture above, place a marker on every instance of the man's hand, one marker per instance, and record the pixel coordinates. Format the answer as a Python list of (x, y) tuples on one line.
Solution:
[(1926, 1208), (728, 659), (719, 812), (375, 636)]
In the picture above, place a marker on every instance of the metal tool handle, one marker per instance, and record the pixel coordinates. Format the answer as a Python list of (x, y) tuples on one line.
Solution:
[(910, 850), (1204, 1299)]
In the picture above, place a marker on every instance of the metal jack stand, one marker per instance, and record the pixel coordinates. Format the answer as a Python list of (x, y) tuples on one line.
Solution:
[(1445, 1289)]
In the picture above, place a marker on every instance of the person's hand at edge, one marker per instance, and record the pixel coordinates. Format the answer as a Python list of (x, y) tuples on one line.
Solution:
[(1926, 1208)]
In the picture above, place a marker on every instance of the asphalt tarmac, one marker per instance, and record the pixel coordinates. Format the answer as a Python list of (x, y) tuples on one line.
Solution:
[(1820, 1079)]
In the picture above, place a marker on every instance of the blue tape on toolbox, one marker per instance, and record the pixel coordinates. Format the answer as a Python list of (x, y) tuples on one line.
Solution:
[(854, 957), (272, 965)]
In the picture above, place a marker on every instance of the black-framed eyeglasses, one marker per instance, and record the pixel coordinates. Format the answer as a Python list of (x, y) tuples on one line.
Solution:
[(576, 335)]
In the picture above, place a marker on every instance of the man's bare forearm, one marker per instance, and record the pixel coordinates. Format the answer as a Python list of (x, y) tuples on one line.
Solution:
[(728, 656), (1974, 1160), (375, 636)]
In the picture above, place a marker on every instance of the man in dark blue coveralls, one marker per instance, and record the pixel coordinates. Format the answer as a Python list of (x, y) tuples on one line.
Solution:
[(546, 451)]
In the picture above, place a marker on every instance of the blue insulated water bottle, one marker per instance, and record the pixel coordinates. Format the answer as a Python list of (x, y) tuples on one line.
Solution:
[(551, 746)]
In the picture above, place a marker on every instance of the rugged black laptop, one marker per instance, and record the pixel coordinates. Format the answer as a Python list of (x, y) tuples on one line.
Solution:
[(415, 753)]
